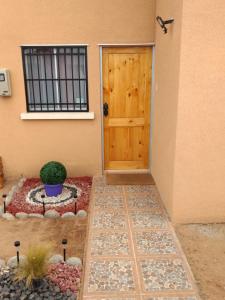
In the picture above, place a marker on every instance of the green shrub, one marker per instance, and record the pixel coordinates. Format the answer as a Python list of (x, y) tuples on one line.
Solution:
[(53, 173), (35, 266)]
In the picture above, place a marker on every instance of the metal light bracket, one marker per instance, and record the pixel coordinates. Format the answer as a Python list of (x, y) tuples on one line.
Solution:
[(163, 23)]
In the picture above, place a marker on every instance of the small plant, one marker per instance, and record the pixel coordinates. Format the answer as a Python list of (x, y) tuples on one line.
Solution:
[(35, 267), (53, 173)]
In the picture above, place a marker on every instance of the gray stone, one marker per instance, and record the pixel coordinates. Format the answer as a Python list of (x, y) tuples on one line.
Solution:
[(68, 215), (2, 263), (74, 261), (55, 259), (8, 216), (51, 213), (57, 289), (82, 213), (12, 262), (21, 215), (33, 215)]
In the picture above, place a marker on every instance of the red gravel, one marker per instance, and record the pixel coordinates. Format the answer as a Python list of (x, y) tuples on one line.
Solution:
[(19, 203), (65, 276)]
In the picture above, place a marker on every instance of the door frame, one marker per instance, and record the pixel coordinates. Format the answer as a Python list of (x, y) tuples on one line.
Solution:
[(101, 46)]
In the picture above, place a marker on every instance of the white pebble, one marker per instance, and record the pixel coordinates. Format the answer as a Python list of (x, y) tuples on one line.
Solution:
[(74, 261), (51, 213), (55, 259), (33, 215), (82, 213), (8, 216), (12, 262), (68, 215), (21, 215)]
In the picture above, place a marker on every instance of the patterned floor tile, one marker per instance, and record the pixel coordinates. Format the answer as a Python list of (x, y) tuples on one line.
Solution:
[(111, 276), (146, 219), (115, 298), (140, 188), (109, 200), (123, 218), (164, 275), (108, 189), (145, 201), (171, 298), (99, 181), (107, 244), (154, 242), (109, 220)]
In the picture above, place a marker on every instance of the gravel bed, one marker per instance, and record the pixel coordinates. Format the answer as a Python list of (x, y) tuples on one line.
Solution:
[(12, 290)]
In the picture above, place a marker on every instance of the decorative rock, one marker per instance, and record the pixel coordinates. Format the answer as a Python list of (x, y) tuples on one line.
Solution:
[(20, 183), (55, 259), (82, 213), (10, 193), (13, 189), (8, 216), (1, 210), (21, 215), (68, 215), (74, 261), (2, 263), (35, 216), (14, 290), (8, 199), (12, 262), (51, 213)]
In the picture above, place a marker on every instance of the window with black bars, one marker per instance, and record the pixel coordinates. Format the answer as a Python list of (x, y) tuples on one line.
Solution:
[(56, 78)]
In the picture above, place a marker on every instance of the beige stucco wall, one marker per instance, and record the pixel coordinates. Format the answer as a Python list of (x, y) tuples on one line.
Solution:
[(26, 145), (189, 129), (199, 177), (167, 63)]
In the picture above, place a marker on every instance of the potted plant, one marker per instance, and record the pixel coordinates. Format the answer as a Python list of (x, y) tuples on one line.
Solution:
[(53, 175), (35, 267)]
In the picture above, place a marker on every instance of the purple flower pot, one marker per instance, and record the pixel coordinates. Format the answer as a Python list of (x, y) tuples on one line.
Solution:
[(53, 190)]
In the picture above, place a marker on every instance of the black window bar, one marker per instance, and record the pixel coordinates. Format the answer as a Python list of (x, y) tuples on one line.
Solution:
[(56, 78)]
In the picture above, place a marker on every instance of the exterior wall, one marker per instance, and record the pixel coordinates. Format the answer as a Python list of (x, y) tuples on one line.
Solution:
[(188, 141), (167, 63), (26, 145), (199, 189)]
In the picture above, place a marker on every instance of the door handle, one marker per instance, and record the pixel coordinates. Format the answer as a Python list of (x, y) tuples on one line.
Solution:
[(105, 109)]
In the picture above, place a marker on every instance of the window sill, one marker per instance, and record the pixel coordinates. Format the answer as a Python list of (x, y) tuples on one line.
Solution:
[(58, 116)]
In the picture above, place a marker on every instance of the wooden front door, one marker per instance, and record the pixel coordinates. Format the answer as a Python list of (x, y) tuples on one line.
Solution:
[(126, 97)]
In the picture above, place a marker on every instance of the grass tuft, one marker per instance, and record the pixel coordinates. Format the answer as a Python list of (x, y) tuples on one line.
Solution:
[(35, 265)]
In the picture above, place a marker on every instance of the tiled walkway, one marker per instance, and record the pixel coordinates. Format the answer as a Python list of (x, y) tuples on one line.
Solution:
[(132, 252)]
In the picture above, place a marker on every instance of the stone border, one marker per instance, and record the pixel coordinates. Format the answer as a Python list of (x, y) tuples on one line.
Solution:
[(54, 259), (51, 213)]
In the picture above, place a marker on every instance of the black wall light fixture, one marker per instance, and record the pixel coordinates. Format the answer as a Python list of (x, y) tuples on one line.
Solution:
[(163, 23)]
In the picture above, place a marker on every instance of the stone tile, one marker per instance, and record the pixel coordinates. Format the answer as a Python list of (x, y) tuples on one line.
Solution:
[(145, 201), (108, 189), (154, 242), (113, 298), (99, 181), (109, 220), (108, 200), (140, 188), (147, 219), (110, 244), (164, 275), (111, 276), (172, 298)]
